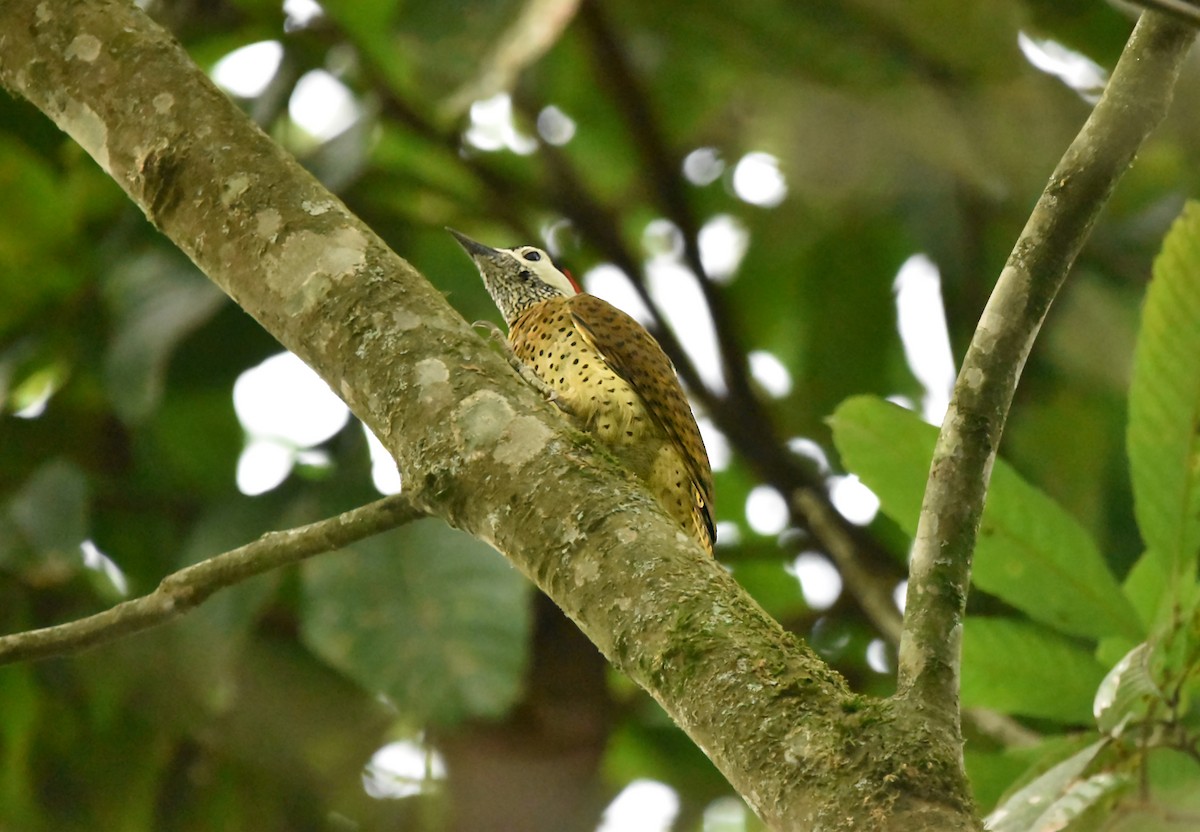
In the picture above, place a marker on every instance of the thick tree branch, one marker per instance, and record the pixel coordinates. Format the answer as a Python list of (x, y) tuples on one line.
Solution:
[(183, 591), (1135, 101), (474, 444)]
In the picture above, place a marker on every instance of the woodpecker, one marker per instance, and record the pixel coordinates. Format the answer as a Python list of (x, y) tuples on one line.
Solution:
[(607, 373)]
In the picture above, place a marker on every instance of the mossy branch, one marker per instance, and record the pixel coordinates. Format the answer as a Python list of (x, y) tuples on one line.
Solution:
[(1135, 100)]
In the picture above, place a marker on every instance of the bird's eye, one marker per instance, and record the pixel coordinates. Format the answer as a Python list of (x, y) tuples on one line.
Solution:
[(533, 256)]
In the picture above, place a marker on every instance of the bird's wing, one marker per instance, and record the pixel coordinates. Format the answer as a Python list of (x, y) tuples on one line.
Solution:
[(626, 345)]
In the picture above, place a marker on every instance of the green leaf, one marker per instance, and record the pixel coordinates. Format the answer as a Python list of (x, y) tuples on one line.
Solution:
[(429, 616), (1126, 689), (157, 301), (998, 772), (1024, 811), (1020, 668), (1145, 586), (50, 517), (1164, 402), (21, 704), (1080, 798), (1030, 552)]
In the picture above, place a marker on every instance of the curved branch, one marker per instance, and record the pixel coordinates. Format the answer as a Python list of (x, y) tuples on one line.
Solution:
[(1135, 101), (188, 588)]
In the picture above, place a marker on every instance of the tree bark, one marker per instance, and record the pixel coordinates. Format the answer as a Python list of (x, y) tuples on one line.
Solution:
[(474, 444)]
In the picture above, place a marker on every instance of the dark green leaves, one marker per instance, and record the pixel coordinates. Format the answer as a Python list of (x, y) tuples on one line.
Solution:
[(428, 616)]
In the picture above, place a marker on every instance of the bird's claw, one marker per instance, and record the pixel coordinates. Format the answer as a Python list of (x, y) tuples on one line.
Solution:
[(494, 332)]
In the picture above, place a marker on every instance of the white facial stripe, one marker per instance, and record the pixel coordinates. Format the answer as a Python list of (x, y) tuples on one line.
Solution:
[(544, 268)]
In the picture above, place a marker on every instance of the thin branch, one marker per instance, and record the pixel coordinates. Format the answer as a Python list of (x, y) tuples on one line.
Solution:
[(183, 591), (1135, 101)]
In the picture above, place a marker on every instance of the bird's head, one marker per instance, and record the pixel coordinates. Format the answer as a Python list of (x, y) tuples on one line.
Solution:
[(517, 278)]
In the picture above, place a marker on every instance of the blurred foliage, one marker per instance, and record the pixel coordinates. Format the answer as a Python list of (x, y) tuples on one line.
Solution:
[(898, 128)]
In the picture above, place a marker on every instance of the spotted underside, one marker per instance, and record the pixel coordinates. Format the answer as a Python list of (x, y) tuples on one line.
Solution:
[(617, 382)]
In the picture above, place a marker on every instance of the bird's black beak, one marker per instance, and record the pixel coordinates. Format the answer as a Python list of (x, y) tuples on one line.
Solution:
[(476, 250)]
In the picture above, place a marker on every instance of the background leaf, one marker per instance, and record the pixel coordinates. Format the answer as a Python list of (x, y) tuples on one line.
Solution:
[(1016, 667), (426, 615), (1126, 690), (905, 129), (1030, 552), (1164, 402), (1021, 811)]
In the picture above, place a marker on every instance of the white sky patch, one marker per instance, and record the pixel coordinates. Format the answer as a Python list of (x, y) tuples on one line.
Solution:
[(322, 105), (284, 408), (676, 291), (766, 510), (642, 806), (921, 317), (245, 72), (609, 283), (703, 166), (900, 595), (729, 533), (715, 443), (263, 465), (853, 500), (770, 373), (819, 580), (558, 237), (554, 126), (662, 238), (492, 127), (97, 561), (758, 180), (402, 769), (314, 458), (726, 814), (300, 14), (384, 473), (877, 657), (809, 449), (723, 242), (283, 398), (1076, 70)]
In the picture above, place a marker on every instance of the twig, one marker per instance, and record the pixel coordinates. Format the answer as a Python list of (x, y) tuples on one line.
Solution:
[(1136, 99), (186, 589)]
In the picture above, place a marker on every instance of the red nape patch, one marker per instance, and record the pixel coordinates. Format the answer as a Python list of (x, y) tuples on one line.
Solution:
[(571, 278)]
